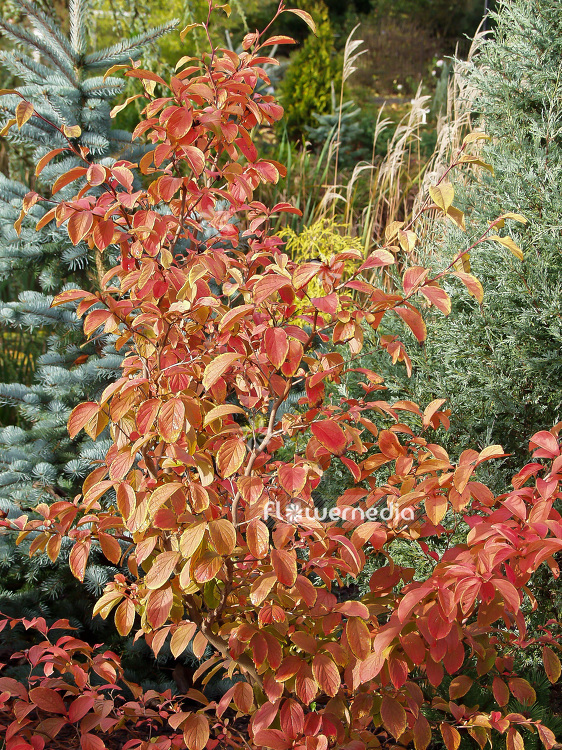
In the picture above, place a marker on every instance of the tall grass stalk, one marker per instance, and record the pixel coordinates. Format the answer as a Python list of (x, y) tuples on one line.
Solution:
[(379, 191)]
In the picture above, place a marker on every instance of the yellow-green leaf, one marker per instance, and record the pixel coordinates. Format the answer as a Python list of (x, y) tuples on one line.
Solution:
[(187, 29), (466, 159), (114, 69), (7, 126), (217, 367), (115, 111), (306, 17), (515, 217), (222, 411), (442, 195), (509, 243), (472, 137), (456, 215), (24, 111)]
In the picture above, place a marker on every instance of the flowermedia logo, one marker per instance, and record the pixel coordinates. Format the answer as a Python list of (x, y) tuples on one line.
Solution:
[(295, 512)]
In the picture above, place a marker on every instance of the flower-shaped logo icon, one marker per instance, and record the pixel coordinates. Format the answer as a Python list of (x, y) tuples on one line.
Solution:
[(293, 512)]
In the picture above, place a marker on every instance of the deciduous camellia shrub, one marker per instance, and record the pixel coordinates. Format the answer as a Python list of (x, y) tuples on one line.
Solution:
[(192, 496)]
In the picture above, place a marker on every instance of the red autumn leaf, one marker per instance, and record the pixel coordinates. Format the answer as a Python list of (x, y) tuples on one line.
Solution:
[(196, 732), (501, 691), (306, 17), (371, 667), (168, 187), (272, 738), (146, 75), (79, 557), (353, 609), (304, 273), (257, 538), (171, 420), (390, 445), (378, 259), (422, 733), (72, 295), (110, 547), (522, 691), (276, 345), (330, 434), (68, 177), (218, 367), (327, 304), (192, 538), (91, 741), (80, 707), (47, 700), (146, 415), (223, 536), (326, 674), (161, 569), (121, 463), (451, 736), (306, 686), (243, 697), (547, 736), (354, 469), (430, 410), (393, 716), (125, 617), (179, 122), (358, 637), (207, 567), (223, 410), (97, 174), (437, 297), (103, 233), (546, 444), (182, 637), (552, 665), (230, 457), (292, 719), (267, 286), (261, 588), (158, 606), (284, 207), (94, 320), (371, 531), (460, 686), (79, 226), (514, 741), (413, 277), (195, 158), (162, 494), (292, 478), (414, 647), (472, 284), (285, 566), (44, 160), (80, 416), (413, 320)]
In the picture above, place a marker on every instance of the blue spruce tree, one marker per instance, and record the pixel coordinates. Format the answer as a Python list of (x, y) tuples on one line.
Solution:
[(38, 461)]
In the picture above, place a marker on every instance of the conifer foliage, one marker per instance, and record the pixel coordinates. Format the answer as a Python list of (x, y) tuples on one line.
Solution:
[(499, 363), (194, 492)]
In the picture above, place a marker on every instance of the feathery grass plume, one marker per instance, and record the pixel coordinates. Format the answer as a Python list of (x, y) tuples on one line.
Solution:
[(351, 54), (453, 123)]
